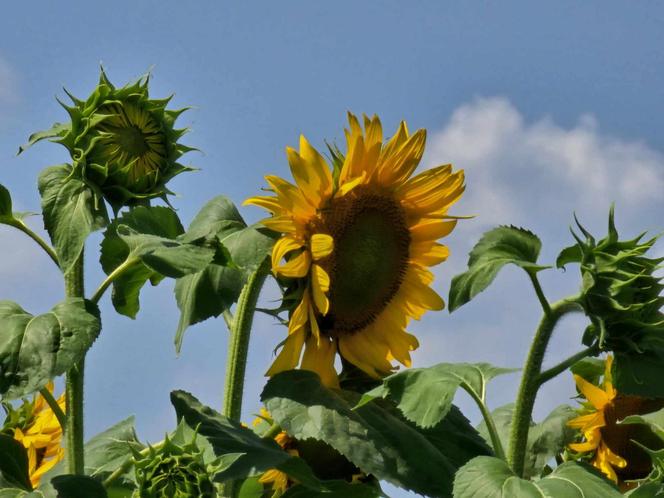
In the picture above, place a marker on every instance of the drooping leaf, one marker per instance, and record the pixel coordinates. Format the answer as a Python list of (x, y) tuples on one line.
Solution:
[(213, 290), (496, 248), (71, 212), (375, 436), (71, 486), (425, 395), (13, 464), (545, 439), (244, 452), (490, 477), (5, 203), (147, 240), (35, 349), (58, 130)]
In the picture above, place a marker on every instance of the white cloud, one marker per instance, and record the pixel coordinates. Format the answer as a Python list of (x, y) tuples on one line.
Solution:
[(520, 172)]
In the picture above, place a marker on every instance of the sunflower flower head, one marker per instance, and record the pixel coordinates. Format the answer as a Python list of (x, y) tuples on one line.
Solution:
[(173, 471), (36, 427), (125, 143), (357, 239), (614, 448)]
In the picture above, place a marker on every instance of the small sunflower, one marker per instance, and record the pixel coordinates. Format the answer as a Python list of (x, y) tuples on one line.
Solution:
[(609, 444), (358, 237), (37, 428)]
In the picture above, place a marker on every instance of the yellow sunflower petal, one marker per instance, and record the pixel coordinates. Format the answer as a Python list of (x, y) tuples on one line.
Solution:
[(429, 230), (400, 165), (289, 356), (373, 131), (433, 190), (320, 284), (282, 247), (296, 267), (270, 203), (429, 254), (592, 393), (319, 357), (282, 224), (311, 172), (291, 198), (322, 245), (367, 353)]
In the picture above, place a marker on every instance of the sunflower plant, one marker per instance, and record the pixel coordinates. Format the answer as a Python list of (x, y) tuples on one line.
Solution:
[(350, 241)]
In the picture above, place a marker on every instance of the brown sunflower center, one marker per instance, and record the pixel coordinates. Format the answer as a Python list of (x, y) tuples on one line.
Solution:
[(370, 257), (620, 437)]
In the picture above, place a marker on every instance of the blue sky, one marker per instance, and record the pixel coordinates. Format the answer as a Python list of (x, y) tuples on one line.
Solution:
[(550, 108)]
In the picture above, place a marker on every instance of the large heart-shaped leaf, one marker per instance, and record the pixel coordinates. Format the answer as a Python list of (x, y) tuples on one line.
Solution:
[(375, 436), (35, 349), (489, 477), (13, 464), (71, 211), (497, 247)]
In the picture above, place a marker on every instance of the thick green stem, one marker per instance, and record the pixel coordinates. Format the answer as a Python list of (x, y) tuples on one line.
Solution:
[(530, 382), (18, 224), (490, 424), (552, 372), (238, 346), (74, 384)]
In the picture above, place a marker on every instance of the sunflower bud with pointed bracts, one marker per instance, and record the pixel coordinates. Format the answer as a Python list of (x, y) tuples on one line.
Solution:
[(124, 143), (620, 293), (173, 471)]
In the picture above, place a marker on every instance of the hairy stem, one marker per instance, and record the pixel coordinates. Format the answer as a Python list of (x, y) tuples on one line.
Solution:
[(74, 384), (552, 372), (238, 346), (128, 264), (18, 224), (530, 382)]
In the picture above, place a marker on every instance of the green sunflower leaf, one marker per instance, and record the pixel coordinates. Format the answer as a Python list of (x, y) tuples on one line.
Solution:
[(147, 240), (375, 436), (497, 247), (425, 395), (243, 452), (5, 203), (58, 130), (647, 490), (19, 493), (71, 486), (633, 373), (13, 464), (545, 439), (71, 212), (35, 349), (241, 249), (491, 477)]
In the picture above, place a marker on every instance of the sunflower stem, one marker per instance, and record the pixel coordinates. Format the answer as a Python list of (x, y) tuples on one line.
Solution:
[(238, 346), (552, 372), (490, 424), (74, 384), (128, 264), (19, 225), (273, 431), (530, 380), (55, 408)]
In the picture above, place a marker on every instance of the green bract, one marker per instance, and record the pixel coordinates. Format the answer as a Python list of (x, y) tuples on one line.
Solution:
[(124, 143), (173, 471), (620, 293)]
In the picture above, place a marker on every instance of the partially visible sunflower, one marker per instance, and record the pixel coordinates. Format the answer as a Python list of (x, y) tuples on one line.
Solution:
[(610, 445), (37, 428), (358, 237), (278, 481)]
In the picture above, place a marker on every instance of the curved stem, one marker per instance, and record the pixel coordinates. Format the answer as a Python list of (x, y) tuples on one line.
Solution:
[(18, 224), (128, 263), (272, 432), (238, 346), (540, 293), (490, 425), (74, 384), (55, 408), (530, 382), (552, 372)]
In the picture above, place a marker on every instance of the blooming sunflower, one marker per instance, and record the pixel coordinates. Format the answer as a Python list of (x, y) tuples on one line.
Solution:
[(357, 239), (41, 435), (611, 445)]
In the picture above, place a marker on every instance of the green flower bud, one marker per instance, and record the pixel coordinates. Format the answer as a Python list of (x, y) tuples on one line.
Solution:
[(173, 471), (124, 143), (620, 293)]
